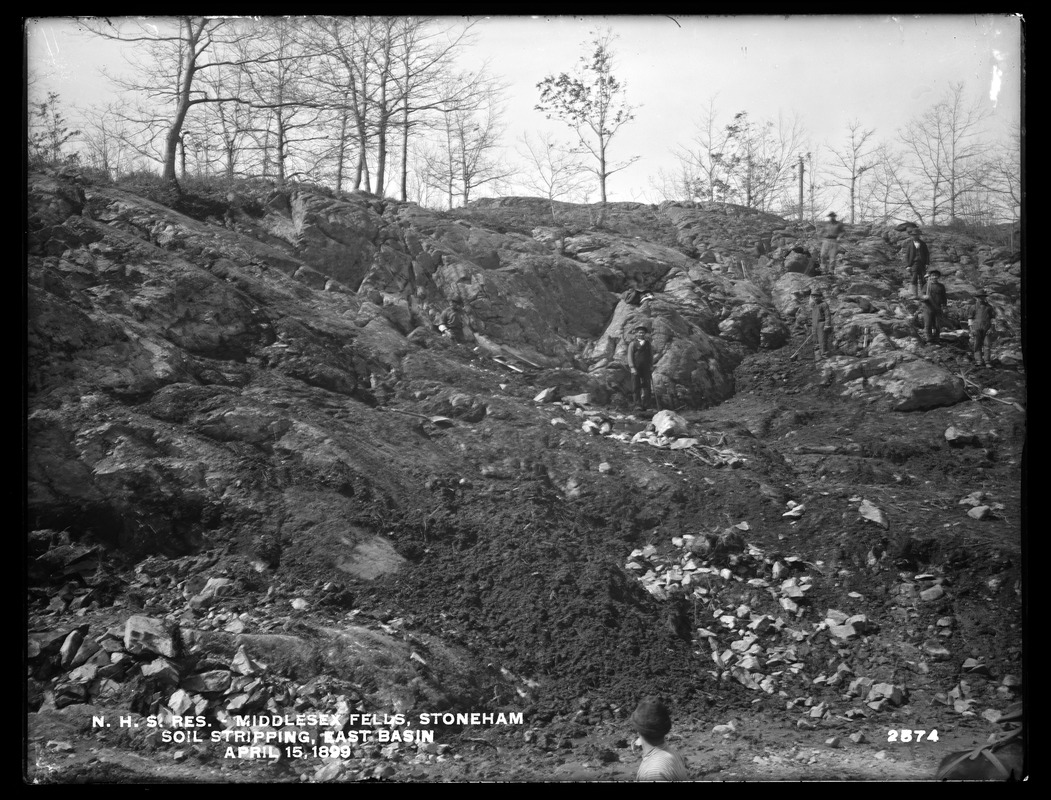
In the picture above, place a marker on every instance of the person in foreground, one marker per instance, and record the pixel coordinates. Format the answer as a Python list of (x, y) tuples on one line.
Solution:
[(659, 762)]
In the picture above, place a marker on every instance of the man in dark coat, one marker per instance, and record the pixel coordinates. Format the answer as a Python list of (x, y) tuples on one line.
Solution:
[(917, 257), (982, 317), (935, 302), (640, 362), (821, 317), (450, 322)]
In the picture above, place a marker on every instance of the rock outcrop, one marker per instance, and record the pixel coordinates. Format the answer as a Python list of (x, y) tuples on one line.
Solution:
[(181, 362)]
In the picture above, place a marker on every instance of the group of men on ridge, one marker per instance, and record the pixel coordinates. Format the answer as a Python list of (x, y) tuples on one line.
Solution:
[(934, 300)]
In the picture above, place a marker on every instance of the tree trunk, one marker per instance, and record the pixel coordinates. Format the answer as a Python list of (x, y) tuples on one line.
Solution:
[(405, 154), (341, 150), (381, 149), (189, 68), (280, 150)]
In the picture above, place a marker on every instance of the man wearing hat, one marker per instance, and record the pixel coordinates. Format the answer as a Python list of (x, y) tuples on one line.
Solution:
[(821, 315), (917, 257), (640, 362), (935, 302), (981, 324), (659, 762), (830, 233)]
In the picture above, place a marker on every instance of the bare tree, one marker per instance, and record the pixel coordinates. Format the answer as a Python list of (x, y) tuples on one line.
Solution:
[(348, 79), (943, 147), (176, 53), (552, 168), (105, 140), (226, 128), (279, 89), (851, 160), (466, 155), (704, 168), (1001, 176), (365, 52), (477, 139), (593, 103), (424, 52), (963, 121), (678, 184), (760, 158), (889, 184)]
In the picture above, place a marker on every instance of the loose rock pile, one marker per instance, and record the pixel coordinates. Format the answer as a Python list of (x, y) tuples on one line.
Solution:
[(755, 612)]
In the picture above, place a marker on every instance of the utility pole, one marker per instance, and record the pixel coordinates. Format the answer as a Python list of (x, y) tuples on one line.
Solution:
[(800, 187), (810, 160)]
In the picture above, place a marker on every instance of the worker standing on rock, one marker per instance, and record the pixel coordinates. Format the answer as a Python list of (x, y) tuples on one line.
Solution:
[(917, 257), (830, 235), (652, 721), (981, 325), (821, 317), (934, 303), (640, 362)]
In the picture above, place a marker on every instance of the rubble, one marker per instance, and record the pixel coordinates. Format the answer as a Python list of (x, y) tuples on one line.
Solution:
[(150, 635)]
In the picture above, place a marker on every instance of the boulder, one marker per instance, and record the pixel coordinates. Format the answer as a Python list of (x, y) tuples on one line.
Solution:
[(916, 385)]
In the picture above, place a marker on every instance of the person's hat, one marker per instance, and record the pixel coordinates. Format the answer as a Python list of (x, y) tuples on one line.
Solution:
[(832, 214), (642, 329), (651, 718), (933, 273), (646, 297), (981, 293)]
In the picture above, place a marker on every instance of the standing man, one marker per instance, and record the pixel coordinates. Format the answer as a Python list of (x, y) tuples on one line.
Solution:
[(830, 233), (659, 762), (935, 302), (981, 324), (640, 362), (821, 315), (917, 257)]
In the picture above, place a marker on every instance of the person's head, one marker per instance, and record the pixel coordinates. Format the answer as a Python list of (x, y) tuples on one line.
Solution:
[(981, 295), (817, 295), (647, 297), (652, 720), (933, 275), (641, 331), (832, 215), (916, 233)]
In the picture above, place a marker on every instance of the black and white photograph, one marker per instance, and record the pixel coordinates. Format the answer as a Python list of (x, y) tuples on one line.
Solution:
[(525, 399)]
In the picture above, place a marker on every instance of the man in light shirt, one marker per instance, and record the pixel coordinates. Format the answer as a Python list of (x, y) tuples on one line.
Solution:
[(831, 232), (659, 762)]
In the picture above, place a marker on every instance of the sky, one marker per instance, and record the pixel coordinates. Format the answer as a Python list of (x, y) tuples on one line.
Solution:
[(826, 70)]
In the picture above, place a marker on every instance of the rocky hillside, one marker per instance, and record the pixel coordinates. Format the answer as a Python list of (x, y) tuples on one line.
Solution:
[(260, 481)]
